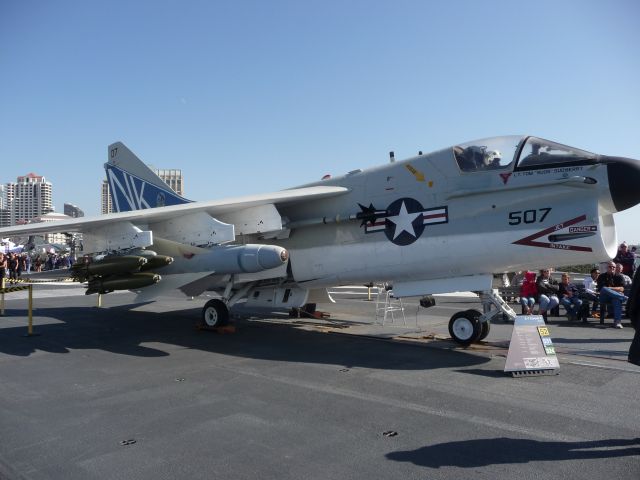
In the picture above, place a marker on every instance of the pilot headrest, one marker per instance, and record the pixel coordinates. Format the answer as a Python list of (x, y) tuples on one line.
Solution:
[(492, 156)]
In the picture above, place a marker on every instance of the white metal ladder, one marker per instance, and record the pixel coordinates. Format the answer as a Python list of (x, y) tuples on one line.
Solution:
[(387, 304)]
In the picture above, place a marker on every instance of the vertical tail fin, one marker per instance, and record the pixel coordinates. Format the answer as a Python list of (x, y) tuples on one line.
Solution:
[(133, 185)]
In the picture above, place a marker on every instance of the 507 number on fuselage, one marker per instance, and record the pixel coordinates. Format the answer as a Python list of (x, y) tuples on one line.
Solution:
[(528, 216)]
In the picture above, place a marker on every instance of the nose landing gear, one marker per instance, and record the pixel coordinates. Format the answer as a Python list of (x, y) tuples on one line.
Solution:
[(471, 326)]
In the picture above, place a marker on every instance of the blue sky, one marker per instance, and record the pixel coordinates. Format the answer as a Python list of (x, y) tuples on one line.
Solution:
[(255, 96)]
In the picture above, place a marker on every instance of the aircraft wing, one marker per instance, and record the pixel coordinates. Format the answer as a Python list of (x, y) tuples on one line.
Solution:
[(239, 208)]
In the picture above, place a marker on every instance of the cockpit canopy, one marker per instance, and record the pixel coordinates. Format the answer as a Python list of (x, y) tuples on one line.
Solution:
[(524, 152)]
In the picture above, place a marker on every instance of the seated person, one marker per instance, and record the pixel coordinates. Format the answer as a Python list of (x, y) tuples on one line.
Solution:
[(590, 293), (626, 278), (569, 298), (547, 292), (611, 290), (528, 293), (492, 159)]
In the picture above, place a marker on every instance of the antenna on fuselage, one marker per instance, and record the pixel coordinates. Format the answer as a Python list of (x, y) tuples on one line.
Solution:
[(392, 157)]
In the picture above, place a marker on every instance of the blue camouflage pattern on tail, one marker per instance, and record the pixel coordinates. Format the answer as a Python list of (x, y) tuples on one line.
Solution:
[(129, 192)]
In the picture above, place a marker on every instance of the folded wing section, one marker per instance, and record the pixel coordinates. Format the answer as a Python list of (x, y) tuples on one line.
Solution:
[(196, 228), (115, 237)]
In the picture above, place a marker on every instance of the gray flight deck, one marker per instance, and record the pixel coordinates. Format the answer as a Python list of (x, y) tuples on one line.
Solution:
[(125, 392)]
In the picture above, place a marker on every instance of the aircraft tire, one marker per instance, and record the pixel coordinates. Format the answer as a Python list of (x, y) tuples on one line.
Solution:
[(465, 327), (485, 327), (214, 314)]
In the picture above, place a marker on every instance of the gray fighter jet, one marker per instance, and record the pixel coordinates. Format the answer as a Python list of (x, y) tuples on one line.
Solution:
[(439, 222)]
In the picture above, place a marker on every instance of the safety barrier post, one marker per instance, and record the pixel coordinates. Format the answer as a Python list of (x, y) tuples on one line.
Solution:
[(30, 327), (2, 296), (99, 300)]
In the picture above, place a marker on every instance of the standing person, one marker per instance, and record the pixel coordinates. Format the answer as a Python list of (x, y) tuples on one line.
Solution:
[(3, 268), (633, 309), (626, 258), (12, 265), (547, 292), (569, 297), (611, 288), (528, 293), (22, 265)]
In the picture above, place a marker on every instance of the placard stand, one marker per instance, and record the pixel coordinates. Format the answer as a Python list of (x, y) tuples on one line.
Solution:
[(531, 351)]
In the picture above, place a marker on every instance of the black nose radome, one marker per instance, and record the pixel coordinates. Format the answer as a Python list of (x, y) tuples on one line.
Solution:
[(624, 181)]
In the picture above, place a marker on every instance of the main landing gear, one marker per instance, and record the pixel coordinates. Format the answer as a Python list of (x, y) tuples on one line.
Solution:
[(472, 326), (214, 314)]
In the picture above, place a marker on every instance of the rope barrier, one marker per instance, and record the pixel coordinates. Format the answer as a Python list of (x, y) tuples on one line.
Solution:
[(16, 288)]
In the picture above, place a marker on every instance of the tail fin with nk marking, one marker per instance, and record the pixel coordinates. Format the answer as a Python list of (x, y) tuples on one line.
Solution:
[(133, 185)]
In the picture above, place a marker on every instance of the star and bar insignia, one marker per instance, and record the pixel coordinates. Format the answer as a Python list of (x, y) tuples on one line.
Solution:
[(403, 221)]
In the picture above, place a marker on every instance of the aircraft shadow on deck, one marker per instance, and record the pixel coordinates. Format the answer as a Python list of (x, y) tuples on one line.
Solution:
[(492, 451), (125, 332)]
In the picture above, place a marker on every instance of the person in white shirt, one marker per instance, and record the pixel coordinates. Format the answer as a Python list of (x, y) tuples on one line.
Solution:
[(590, 292)]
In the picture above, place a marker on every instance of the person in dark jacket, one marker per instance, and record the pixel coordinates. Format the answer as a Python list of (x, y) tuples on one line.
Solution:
[(547, 292), (569, 297), (627, 258), (3, 267), (12, 265), (633, 309), (611, 290)]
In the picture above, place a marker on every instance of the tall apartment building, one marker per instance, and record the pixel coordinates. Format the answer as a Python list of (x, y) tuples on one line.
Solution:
[(105, 198), (172, 177), (28, 197), (5, 213)]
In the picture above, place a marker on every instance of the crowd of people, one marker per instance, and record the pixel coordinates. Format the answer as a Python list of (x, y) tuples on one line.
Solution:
[(600, 293), (13, 265)]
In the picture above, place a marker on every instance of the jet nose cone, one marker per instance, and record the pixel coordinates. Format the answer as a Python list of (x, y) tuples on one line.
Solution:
[(624, 181)]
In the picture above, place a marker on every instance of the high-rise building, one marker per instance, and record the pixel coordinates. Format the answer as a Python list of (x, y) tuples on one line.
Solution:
[(5, 213), (73, 211), (172, 177), (105, 198), (29, 197)]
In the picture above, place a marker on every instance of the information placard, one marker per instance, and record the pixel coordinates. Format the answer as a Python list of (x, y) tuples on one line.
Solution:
[(531, 351)]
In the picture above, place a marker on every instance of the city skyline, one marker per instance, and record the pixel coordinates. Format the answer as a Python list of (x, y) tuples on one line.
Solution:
[(12, 212)]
